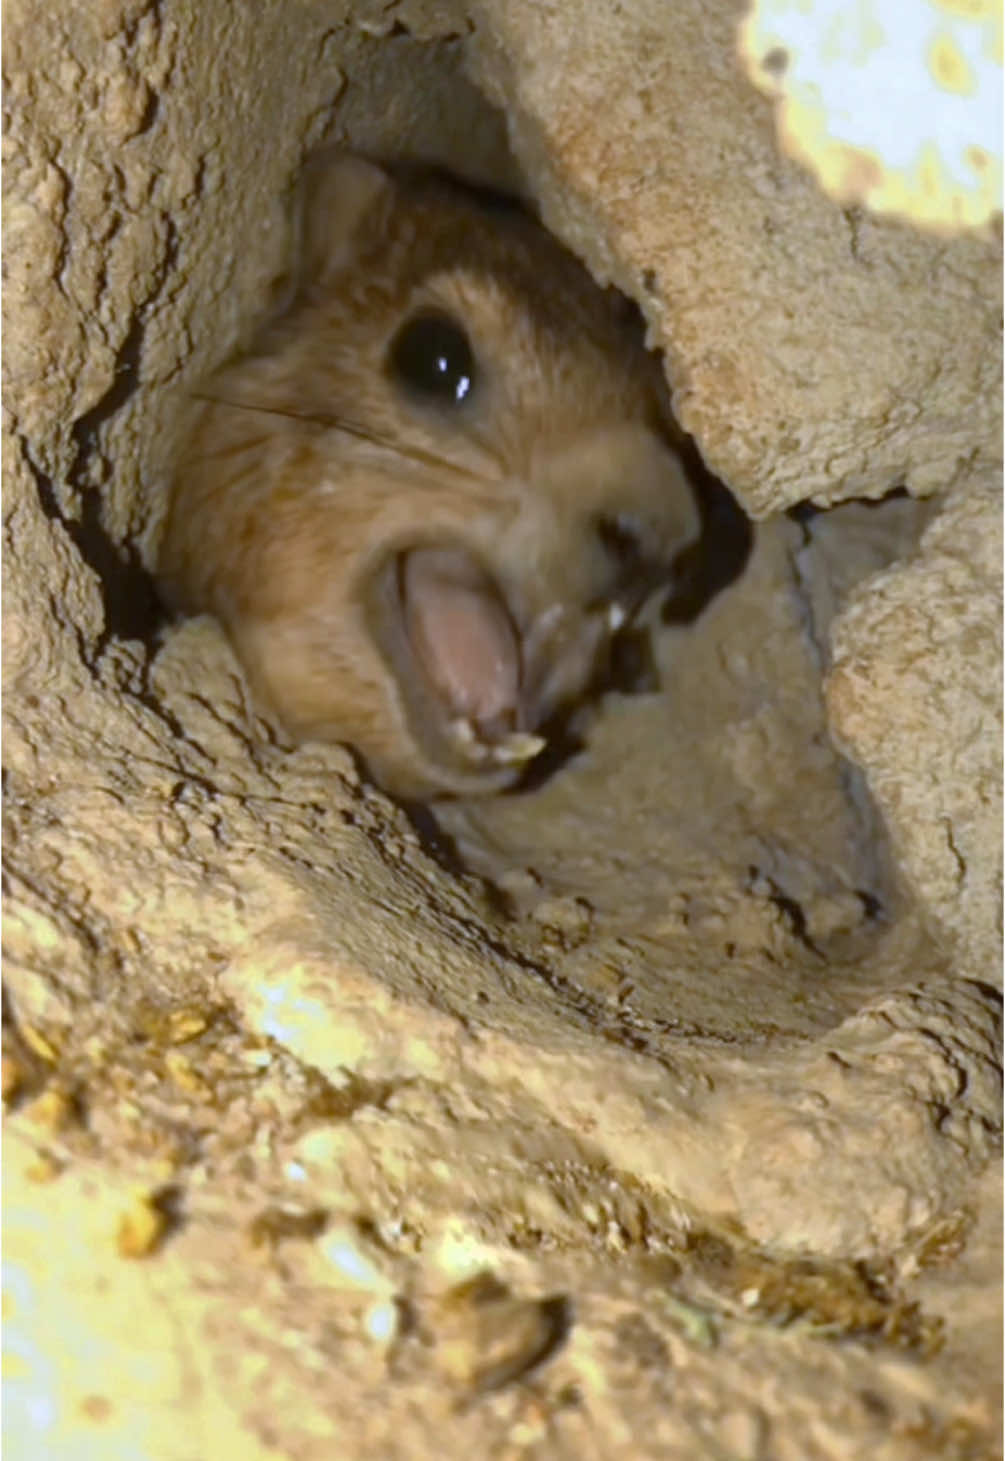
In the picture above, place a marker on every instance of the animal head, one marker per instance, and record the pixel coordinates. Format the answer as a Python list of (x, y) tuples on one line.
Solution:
[(435, 489)]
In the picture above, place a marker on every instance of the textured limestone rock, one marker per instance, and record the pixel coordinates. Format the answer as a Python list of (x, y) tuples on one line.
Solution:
[(682, 199), (916, 694), (283, 1082)]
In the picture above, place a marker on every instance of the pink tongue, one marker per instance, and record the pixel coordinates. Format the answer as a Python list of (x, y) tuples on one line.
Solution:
[(461, 634)]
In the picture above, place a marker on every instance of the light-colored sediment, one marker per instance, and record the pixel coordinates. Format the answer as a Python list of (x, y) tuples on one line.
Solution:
[(279, 1079)]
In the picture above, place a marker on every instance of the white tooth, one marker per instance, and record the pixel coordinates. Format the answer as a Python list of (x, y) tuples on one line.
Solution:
[(616, 616), (518, 747), (463, 733)]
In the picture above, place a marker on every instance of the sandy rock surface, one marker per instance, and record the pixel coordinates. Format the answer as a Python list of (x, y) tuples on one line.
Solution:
[(650, 1113), (682, 199), (927, 627)]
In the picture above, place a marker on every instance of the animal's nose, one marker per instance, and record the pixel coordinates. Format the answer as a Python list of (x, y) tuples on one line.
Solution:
[(622, 539), (635, 563)]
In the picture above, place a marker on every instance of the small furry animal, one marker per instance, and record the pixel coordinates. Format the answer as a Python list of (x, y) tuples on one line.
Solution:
[(440, 484)]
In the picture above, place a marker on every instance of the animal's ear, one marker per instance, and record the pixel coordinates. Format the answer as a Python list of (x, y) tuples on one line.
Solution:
[(339, 200)]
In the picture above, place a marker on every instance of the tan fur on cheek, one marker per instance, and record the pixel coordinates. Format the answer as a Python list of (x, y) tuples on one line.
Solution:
[(425, 578)]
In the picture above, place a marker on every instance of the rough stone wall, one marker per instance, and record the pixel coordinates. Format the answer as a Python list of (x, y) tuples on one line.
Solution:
[(931, 629), (242, 992), (731, 250)]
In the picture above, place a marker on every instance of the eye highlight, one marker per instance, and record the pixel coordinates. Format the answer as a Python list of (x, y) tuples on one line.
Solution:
[(431, 355)]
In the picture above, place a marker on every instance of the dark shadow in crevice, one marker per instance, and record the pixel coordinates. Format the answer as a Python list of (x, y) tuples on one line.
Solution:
[(804, 512), (131, 606), (437, 844), (132, 609), (441, 848), (790, 908), (721, 553)]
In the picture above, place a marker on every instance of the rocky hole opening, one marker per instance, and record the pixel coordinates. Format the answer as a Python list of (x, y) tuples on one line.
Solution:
[(703, 858), (437, 1122)]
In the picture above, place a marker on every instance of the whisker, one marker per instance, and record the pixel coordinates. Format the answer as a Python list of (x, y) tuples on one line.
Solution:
[(350, 428)]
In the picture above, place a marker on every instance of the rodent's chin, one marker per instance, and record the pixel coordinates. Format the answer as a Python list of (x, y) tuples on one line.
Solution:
[(474, 684)]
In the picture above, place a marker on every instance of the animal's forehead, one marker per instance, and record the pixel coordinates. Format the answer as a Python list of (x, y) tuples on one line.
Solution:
[(482, 301), (497, 263)]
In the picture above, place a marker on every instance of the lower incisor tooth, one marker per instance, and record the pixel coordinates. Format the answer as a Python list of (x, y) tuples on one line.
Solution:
[(515, 748), (463, 734), (518, 747)]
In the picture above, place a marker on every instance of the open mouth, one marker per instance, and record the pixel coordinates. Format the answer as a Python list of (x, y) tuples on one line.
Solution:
[(478, 682), (467, 650)]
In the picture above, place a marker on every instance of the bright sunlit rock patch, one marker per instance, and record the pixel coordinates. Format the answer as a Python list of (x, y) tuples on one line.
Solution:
[(895, 106)]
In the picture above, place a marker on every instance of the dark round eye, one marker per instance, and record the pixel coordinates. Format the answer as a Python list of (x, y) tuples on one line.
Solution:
[(431, 354)]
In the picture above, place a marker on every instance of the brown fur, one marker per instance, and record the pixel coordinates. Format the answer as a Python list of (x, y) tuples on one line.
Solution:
[(283, 524)]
